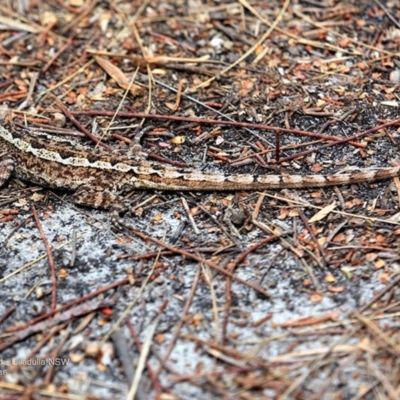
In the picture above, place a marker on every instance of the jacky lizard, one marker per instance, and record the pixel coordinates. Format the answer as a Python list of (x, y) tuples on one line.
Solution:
[(98, 178)]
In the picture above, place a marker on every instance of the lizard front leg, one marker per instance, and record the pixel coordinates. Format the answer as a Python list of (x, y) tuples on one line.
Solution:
[(6, 168), (98, 197), (93, 196)]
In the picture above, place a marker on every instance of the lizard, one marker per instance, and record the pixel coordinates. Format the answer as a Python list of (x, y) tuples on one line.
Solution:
[(98, 178)]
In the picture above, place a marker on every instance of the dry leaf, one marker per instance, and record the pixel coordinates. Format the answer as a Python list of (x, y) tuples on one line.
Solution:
[(391, 103), (75, 357), (371, 256), (63, 273), (92, 348), (347, 273), (158, 71), (380, 238), (379, 263), (196, 320), (283, 213), (159, 338), (178, 140), (321, 214), (76, 3), (307, 321), (329, 278), (316, 298), (336, 289), (49, 18), (157, 218), (37, 197), (316, 195), (170, 105), (116, 74), (15, 25), (384, 278)]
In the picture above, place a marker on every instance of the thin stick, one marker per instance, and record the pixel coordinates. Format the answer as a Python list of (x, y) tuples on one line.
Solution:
[(202, 260), (50, 258), (126, 114)]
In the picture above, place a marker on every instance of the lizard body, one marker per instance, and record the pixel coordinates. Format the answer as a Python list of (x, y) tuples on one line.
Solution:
[(98, 178)]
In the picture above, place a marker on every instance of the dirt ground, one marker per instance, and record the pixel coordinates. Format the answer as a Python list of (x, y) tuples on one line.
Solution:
[(278, 294)]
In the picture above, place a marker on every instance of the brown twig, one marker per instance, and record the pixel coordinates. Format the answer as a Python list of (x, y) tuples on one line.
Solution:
[(66, 316), (227, 306), (250, 250), (341, 141), (57, 54), (181, 321), (124, 114), (200, 259), (69, 114), (202, 374), (381, 294), (8, 312), (69, 305), (40, 345), (50, 258), (231, 268), (277, 145), (312, 234), (53, 355), (156, 384)]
